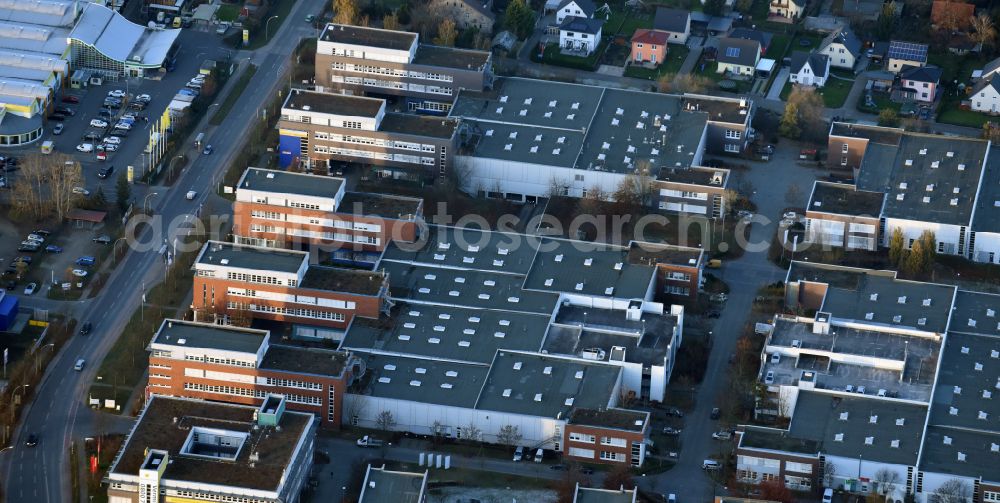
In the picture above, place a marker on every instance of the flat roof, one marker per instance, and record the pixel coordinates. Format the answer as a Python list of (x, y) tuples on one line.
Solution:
[(695, 175), (942, 446), (287, 182), (166, 423), (209, 336), (588, 269), (758, 437), (335, 279), (449, 333), (967, 381), (619, 419), (434, 382), (304, 360), (380, 205), (588, 127), (929, 177), (875, 134), (594, 495), (383, 485), (987, 212), (121, 40), (976, 313), (849, 426), (220, 253), (419, 125), (645, 253), (455, 246), (547, 386), (877, 297), (579, 330), (467, 288), (334, 104), (843, 199), (451, 57), (375, 37)]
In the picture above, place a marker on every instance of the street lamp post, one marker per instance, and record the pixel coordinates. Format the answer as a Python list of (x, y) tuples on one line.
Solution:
[(51, 344), (114, 251), (13, 406), (145, 200), (267, 28)]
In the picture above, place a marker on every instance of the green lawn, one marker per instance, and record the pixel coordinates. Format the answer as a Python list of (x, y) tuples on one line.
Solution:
[(951, 114), (881, 101), (760, 10), (552, 56), (676, 54), (624, 23), (814, 41), (228, 12), (779, 43), (834, 93)]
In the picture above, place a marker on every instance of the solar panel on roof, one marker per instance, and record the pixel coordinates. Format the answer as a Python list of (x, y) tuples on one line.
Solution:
[(908, 51), (732, 52)]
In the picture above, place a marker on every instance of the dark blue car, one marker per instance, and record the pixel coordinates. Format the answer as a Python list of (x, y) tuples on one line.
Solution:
[(53, 249), (86, 261)]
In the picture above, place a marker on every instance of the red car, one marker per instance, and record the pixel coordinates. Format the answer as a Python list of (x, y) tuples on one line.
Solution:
[(102, 156), (69, 98)]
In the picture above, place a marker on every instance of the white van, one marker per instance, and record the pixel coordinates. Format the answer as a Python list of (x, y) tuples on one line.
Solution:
[(79, 364), (519, 453), (710, 464), (827, 495), (538, 455)]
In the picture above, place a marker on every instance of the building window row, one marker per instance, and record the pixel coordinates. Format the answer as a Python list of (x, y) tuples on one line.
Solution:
[(292, 311), (159, 353), (304, 206), (159, 376), (220, 361), (676, 290), (582, 437), (269, 215), (253, 278), (678, 276), (613, 456), (291, 383), (613, 441), (200, 496)]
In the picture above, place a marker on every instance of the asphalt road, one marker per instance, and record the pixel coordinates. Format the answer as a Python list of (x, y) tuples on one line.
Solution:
[(58, 413)]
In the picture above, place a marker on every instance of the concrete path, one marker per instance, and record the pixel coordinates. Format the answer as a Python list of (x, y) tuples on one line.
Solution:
[(690, 61), (779, 83)]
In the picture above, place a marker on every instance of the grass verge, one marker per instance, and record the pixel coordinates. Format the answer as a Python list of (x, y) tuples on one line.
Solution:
[(234, 94)]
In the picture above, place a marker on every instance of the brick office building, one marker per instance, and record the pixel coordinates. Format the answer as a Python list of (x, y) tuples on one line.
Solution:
[(281, 285), (240, 365), (280, 208), (607, 435), (323, 131)]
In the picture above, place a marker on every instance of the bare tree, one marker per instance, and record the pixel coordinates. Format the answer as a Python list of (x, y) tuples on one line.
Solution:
[(626, 397), (983, 30), (240, 316), (385, 421), (437, 430), (887, 481), (447, 33), (509, 435), (951, 19), (472, 432), (829, 473), (46, 186), (391, 21), (684, 83), (952, 491), (345, 11)]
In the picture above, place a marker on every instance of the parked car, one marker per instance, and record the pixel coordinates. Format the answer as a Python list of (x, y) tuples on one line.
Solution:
[(30, 289), (36, 237), (111, 148), (207, 150), (117, 93), (191, 195), (80, 273), (102, 155), (112, 140), (104, 112), (92, 136), (67, 111), (99, 123), (102, 239), (123, 125), (23, 258), (53, 249), (69, 98), (671, 431), (716, 413), (82, 191), (30, 248), (56, 117), (675, 412), (722, 435), (86, 261), (105, 172), (143, 98), (58, 129)]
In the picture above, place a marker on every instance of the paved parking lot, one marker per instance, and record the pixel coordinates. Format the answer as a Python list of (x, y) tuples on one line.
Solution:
[(196, 46)]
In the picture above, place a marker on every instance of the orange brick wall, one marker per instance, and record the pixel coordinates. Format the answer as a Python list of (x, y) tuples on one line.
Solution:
[(597, 447)]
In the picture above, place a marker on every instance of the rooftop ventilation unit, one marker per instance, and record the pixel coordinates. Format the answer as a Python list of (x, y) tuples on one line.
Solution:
[(903, 185), (873, 419), (957, 390), (556, 151), (570, 117), (508, 146), (538, 137), (901, 300), (517, 365), (619, 111), (926, 302), (873, 297), (579, 287), (575, 105), (618, 266), (839, 437), (506, 393), (499, 110), (921, 321), (950, 154), (926, 199), (894, 444), (869, 440), (897, 319), (552, 104), (512, 135), (869, 316), (559, 257), (523, 112), (534, 149), (900, 422), (588, 261), (614, 122), (935, 164), (930, 187), (954, 201), (384, 380), (965, 349), (569, 402), (547, 371), (527, 101), (446, 385), (908, 162), (946, 440), (548, 282), (548, 115), (503, 99), (844, 416), (538, 397), (961, 167), (923, 151), (956, 190)]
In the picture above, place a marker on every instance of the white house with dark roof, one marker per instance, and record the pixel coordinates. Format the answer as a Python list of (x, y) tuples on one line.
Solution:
[(675, 22), (580, 34), (575, 8), (985, 95), (738, 56), (809, 69), (901, 54), (788, 9), (920, 83), (842, 47)]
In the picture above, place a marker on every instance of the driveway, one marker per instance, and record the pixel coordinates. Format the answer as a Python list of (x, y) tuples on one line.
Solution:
[(779, 82), (744, 275)]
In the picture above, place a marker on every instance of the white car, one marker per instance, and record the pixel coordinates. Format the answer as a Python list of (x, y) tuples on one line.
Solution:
[(111, 147), (144, 98), (117, 93), (191, 195), (82, 191), (85, 147), (113, 140), (80, 273), (30, 289), (98, 123), (123, 125), (128, 117)]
